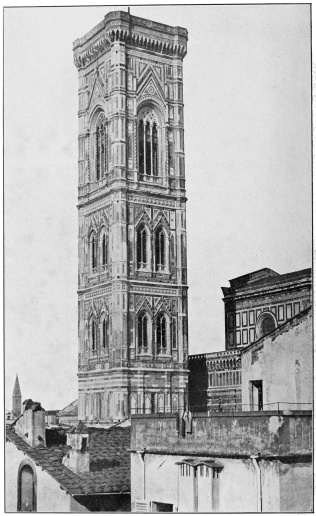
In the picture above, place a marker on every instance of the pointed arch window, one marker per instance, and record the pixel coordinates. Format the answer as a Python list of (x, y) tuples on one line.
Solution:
[(93, 335), (105, 335), (148, 143), (104, 246), (142, 244), (101, 147), (160, 250), (93, 251), (161, 335), (143, 333)]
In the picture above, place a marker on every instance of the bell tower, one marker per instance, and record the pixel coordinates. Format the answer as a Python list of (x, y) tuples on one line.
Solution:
[(133, 306)]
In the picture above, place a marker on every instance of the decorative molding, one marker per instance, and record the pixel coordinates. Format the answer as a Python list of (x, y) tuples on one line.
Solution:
[(153, 201), (153, 290)]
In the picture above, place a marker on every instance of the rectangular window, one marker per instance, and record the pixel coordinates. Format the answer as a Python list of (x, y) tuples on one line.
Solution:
[(210, 380), (237, 320), (281, 313), (289, 311), (201, 471), (252, 334), (296, 308), (245, 336), (207, 471), (238, 337), (251, 317), (230, 318), (231, 338), (244, 318)]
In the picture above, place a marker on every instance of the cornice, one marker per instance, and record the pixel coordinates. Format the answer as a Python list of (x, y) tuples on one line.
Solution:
[(265, 290), (119, 26)]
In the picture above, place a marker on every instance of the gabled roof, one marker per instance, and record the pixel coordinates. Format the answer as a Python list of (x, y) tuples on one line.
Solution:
[(109, 462), (70, 410)]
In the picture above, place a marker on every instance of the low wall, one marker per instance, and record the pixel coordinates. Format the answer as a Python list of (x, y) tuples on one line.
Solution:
[(268, 433)]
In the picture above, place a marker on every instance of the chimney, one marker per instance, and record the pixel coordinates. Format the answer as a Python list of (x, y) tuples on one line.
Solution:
[(30, 426), (78, 458)]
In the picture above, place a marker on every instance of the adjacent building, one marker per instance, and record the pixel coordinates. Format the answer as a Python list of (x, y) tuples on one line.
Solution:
[(256, 304), (246, 462), (133, 304), (259, 302), (277, 369), (69, 414), (85, 470)]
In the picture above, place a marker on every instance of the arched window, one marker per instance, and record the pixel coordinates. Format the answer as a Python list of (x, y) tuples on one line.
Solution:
[(160, 250), (93, 250), (174, 333), (161, 335), (148, 143), (267, 325), (93, 335), (26, 488), (101, 147), (104, 249), (143, 333), (142, 243), (105, 335)]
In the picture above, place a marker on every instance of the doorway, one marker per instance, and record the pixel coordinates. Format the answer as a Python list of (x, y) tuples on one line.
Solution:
[(256, 396)]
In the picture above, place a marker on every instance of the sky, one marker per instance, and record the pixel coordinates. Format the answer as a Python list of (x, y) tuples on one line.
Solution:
[(247, 119)]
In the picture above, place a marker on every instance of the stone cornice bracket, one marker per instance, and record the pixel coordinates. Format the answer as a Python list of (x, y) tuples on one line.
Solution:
[(81, 59), (131, 30)]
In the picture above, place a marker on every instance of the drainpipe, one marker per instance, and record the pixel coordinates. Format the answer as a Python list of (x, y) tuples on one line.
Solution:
[(255, 460), (142, 456)]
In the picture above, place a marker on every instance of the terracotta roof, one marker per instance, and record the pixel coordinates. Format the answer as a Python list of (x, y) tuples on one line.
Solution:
[(70, 410), (109, 461)]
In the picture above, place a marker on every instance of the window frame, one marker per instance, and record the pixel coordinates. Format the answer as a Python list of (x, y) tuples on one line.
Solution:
[(27, 463)]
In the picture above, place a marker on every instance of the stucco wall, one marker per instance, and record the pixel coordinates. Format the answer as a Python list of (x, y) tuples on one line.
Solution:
[(50, 497), (296, 487), (284, 364), (243, 434), (238, 489)]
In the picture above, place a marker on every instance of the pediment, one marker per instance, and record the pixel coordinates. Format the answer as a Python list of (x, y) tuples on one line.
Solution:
[(97, 92), (150, 85)]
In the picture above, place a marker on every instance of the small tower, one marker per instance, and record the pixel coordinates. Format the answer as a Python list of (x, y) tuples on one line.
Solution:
[(16, 399)]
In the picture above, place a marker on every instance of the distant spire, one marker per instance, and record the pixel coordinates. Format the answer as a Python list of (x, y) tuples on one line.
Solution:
[(17, 390)]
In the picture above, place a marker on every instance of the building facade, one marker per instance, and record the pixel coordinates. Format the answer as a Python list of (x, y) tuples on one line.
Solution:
[(256, 304), (133, 308), (215, 381), (277, 369), (259, 302), (246, 462)]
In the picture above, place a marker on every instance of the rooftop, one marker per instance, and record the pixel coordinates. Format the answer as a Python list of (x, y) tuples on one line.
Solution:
[(265, 278), (109, 462)]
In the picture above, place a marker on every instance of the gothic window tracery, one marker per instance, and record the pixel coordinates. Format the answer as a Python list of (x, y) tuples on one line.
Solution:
[(101, 147), (161, 335), (104, 249), (143, 333), (142, 248), (93, 251), (148, 143), (160, 250), (93, 334)]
